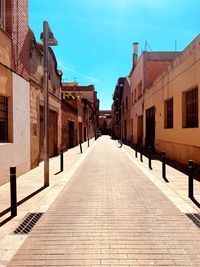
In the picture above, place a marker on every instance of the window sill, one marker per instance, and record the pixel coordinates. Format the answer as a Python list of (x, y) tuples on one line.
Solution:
[(5, 143)]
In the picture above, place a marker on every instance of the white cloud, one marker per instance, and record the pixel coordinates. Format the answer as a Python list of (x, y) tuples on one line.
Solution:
[(87, 77)]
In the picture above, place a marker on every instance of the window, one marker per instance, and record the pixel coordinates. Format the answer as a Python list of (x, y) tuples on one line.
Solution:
[(169, 113), (139, 90), (134, 95), (3, 119), (190, 108), (126, 102), (2, 12)]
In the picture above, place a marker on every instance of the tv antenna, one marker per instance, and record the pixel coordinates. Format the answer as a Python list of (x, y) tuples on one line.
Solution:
[(147, 46)]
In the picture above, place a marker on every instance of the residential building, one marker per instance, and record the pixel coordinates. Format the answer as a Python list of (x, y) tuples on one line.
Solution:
[(85, 120), (143, 73), (116, 108), (105, 122), (174, 97), (37, 103), (14, 88), (126, 122), (70, 125)]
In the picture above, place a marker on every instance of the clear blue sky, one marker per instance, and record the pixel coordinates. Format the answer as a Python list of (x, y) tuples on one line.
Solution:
[(95, 36)]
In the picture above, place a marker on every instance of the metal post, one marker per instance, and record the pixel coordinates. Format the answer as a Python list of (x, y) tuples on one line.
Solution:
[(141, 152), (88, 142), (190, 179), (13, 191), (46, 105), (81, 147), (149, 155), (61, 162), (163, 165), (136, 148)]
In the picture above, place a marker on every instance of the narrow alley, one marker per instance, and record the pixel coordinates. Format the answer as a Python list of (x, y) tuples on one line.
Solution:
[(111, 214)]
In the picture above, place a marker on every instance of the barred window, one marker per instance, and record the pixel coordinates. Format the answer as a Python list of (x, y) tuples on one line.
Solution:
[(126, 102), (191, 108), (3, 119), (169, 113)]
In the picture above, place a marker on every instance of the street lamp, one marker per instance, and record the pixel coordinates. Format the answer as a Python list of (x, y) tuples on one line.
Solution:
[(48, 40)]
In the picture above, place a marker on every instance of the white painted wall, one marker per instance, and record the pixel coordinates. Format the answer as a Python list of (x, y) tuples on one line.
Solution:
[(17, 153)]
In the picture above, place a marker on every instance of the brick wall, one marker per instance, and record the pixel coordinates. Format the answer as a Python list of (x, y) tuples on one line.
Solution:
[(17, 27), (69, 114)]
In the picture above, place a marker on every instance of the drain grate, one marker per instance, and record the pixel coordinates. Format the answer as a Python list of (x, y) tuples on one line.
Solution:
[(26, 226), (195, 218)]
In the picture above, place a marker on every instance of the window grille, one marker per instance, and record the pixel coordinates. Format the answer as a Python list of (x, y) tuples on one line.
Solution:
[(169, 113), (191, 108), (3, 119)]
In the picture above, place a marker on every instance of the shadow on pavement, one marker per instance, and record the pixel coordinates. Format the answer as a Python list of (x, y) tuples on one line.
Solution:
[(4, 212), (174, 164), (195, 202)]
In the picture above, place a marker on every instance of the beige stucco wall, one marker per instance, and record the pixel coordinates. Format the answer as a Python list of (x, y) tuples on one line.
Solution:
[(5, 49), (17, 152), (179, 143), (5, 64), (87, 94), (5, 81)]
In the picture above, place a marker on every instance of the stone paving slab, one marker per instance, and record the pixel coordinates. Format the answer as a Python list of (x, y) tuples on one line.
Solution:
[(111, 214), (177, 187), (27, 185)]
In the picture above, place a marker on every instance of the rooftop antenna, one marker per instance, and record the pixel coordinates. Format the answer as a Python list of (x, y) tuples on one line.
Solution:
[(147, 45), (175, 45)]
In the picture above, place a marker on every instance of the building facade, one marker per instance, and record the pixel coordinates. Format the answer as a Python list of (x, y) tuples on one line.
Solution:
[(37, 103), (126, 122), (116, 109), (174, 96), (105, 122), (87, 108), (14, 88), (143, 73), (70, 124)]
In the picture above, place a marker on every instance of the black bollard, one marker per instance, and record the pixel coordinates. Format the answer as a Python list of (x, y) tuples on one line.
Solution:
[(163, 165), (13, 191), (141, 153), (136, 148), (190, 179), (61, 162), (149, 155), (88, 142), (81, 150)]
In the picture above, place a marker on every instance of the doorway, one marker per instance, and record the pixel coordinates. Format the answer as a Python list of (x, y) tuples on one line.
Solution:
[(71, 134), (140, 129), (150, 127)]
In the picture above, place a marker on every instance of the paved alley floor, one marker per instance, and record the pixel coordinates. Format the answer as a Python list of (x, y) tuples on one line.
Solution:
[(111, 214)]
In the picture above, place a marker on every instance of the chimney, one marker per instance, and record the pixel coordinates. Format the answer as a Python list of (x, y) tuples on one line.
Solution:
[(135, 54)]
